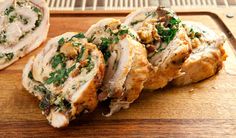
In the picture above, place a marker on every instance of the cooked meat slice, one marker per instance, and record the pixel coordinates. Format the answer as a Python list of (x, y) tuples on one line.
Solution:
[(207, 56), (24, 26), (166, 41), (127, 64), (65, 85)]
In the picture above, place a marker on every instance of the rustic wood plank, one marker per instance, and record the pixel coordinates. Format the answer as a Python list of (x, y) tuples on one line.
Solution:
[(121, 128)]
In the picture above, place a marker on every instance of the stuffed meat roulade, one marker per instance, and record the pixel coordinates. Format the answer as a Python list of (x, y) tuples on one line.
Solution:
[(24, 26), (166, 41), (207, 56), (126, 62), (65, 77)]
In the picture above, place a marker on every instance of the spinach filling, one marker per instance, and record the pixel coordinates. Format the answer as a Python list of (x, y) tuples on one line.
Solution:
[(59, 76), (50, 100), (61, 73), (58, 102), (167, 31), (40, 16)]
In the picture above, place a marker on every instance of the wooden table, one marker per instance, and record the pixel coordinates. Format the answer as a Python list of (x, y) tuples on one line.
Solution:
[(205, 109)]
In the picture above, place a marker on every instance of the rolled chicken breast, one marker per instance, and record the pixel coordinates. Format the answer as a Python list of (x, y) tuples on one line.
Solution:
[(207, 56), (166, 42), (65, 77), (24, 26), (126, 62)]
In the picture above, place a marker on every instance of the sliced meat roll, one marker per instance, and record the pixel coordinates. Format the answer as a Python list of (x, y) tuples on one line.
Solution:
[(24, 26), (166, 41), (65, 77), (127, 64), (207, 56)]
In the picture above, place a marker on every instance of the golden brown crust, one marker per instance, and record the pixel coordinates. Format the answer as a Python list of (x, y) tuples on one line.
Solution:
[(197, 70)]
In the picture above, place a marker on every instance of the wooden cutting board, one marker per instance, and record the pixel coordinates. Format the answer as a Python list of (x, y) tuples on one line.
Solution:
[(207, 108)]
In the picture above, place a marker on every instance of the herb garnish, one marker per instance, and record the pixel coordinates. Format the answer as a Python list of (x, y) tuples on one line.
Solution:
[(168, 32), (9, 10), (59, 76), (80, 55), (79, 35), (104, 47), (30, 75), (9, 56), (92, 38), (50, 100), (90, 64), (58, 59)]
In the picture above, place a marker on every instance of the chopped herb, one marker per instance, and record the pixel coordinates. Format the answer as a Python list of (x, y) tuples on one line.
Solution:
[(44, 104), (116, 39), (38, 12), (41, 88), (191, 30), (9, 10), (122, 32), (135, 22), (90, 64), (25, 21), (132, 35), (12, 18), (58, 59), (174, 21), (3, 37), (59, 76), (80, 55), (71, 69), (79, 35), (159, 49), (23, 35), (50, 100), (104, 47), (198, 35), (19, 3), (30, 75), (37, 23), (168, 34), (63, 104), (9, 56), (106, 55), (61, 42), (35, 9), (91, 39)]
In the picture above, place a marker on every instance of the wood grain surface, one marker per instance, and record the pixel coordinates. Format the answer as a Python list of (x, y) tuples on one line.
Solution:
[(205, 109)]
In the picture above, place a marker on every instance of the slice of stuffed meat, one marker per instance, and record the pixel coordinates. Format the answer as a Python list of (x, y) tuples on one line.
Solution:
[(126, 62), (65, 77), (207, 56), (166, 41), (24, 26)]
